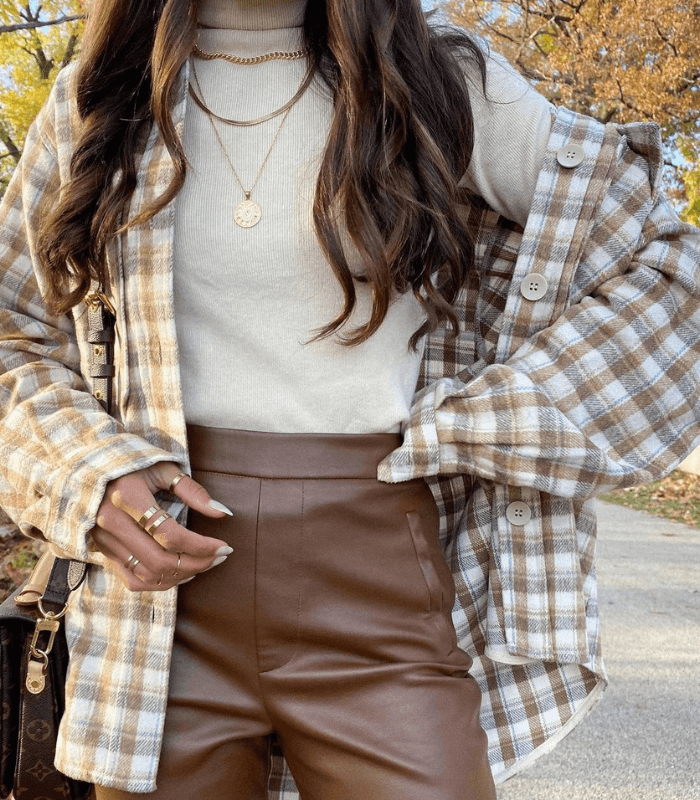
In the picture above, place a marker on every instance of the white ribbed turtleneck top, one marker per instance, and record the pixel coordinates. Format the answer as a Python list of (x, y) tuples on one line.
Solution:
[(247, 301)]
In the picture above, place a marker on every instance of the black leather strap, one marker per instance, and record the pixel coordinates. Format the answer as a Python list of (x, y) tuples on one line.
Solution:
[(57, 589)]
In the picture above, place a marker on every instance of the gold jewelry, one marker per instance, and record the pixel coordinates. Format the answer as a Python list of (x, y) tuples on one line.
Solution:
[(248, 213), (127, 563), (157, 522), (147, 515), (174, 482), (248, 123), (276, 56), (134, 564), (177, 568)]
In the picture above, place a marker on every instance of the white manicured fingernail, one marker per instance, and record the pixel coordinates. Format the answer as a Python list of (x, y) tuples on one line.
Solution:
[(224, 551), (217, 561), (213, 504)]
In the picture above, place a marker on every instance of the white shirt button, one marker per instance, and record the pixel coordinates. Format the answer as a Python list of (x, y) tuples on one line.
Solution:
[(518, 513), (534, 286), (571, 155)]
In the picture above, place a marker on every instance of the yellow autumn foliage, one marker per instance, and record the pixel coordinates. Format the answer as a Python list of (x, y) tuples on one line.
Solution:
[(29, 62), (618, 60)]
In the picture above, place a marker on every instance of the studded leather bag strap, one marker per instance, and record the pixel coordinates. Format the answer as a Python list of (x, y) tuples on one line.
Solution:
[(101, 322)]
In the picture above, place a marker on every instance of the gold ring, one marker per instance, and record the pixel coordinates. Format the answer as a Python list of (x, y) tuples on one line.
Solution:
[(177, 568), (127, 563), (134, 564), (147, 515), (174, 482), (157, 522)]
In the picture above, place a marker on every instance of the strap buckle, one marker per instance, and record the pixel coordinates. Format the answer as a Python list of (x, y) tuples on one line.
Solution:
[(99, 298)]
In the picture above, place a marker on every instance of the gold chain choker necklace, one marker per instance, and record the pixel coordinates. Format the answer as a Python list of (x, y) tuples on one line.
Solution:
[(250, 61)]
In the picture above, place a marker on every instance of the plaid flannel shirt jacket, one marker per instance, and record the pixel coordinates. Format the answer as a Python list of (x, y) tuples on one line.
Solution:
[(545, 399)]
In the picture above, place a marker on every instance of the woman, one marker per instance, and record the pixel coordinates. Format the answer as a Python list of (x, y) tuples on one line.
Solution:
[(279, 285)]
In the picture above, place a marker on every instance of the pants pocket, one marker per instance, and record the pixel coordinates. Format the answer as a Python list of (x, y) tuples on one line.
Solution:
[(438, 581), (426, 561)]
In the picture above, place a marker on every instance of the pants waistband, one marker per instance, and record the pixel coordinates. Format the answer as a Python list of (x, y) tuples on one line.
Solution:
[(288, 455)]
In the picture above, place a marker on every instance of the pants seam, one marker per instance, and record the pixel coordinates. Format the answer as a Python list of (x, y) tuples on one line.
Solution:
[(301, 565), (255, 612)]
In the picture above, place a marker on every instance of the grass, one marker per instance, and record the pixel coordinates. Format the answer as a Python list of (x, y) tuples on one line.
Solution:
[(675, 497), (18, 555)]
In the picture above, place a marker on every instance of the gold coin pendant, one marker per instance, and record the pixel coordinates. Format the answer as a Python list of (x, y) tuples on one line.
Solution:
[(247, 214)]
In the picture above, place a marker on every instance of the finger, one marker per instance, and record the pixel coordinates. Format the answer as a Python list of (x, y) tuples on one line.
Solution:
[(110, 546), (137, 578), (138, 575), (175, 538), (188, 490), (131, 494)]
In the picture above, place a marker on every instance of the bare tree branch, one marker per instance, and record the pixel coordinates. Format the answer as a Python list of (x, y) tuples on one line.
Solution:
[(70, 51), (25, 26), (7, 140)]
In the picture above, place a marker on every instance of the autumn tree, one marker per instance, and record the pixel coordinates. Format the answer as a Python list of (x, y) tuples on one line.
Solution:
[(618, 60), (36, 40)]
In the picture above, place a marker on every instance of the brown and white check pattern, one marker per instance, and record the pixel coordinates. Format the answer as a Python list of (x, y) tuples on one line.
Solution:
[(594, 385)]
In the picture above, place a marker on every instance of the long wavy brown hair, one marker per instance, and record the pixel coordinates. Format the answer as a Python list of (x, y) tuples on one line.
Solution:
[(401, 137)]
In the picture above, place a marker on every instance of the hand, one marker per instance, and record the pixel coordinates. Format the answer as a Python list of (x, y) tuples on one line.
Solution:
[(172, 554)]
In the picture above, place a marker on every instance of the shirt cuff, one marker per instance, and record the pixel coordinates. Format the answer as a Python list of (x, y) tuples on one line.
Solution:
[(419, 455)]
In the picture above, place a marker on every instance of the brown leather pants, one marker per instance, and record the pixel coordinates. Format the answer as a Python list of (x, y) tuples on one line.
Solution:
[(328, 628)]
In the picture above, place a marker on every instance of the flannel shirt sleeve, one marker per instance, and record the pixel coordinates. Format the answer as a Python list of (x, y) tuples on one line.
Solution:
[(58, 447), (608, 394)]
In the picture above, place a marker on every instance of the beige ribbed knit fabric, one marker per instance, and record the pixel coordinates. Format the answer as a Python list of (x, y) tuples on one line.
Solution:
[(248, 300)]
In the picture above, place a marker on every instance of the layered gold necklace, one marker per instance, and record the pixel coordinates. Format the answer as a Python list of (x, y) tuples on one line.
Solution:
[(248, 213), (197, 97)]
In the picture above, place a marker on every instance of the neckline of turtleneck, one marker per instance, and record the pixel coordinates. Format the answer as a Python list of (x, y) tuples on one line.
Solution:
[(251, 15)]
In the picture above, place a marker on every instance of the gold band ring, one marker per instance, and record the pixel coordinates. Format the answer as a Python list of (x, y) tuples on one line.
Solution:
[(174, 482), (134, 564), (143, 520), (157, 522), (127, 563), (177, 568)]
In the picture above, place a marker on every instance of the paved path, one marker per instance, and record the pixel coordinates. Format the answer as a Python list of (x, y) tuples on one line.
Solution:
[(643, 741)]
